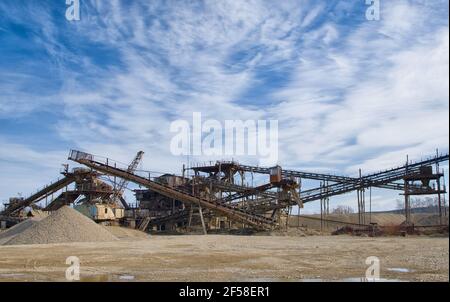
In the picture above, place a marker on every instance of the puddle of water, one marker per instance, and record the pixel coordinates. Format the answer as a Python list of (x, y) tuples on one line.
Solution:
[(323, 280), (369, 280), (107, 278), (126, 277), (399, 270), (12, 275), (351, 280), (96, 278)]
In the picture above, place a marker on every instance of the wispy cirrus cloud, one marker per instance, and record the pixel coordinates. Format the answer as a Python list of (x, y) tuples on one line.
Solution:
[(347, 92)]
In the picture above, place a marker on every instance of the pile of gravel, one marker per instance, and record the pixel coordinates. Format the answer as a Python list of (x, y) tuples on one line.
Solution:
[(17, 229), (63, 226)]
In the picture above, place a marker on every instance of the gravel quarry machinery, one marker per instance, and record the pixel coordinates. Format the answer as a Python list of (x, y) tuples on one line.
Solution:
[(217, 196)]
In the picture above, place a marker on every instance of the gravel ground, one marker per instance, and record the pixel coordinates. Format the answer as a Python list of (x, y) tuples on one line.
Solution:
[(64, 225), (232, 258)]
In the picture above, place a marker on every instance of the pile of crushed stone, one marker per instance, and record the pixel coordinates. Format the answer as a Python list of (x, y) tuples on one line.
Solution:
[(66, 225), (127, 233), (17, 229)]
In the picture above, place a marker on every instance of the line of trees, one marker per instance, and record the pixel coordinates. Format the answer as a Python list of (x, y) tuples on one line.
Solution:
[(425, 202), (342, 210)]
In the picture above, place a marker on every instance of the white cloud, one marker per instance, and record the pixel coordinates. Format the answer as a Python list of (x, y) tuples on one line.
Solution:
[(362, 95), (370, 93)]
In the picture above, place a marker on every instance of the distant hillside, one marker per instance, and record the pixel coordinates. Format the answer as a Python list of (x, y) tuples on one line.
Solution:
[(420, 217), (422, 210)]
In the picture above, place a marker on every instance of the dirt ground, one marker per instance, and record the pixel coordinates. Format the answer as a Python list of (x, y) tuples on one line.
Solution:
[(231, 258)]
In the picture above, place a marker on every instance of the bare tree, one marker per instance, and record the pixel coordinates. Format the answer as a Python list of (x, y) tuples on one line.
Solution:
[(342, 210), (428, 204)]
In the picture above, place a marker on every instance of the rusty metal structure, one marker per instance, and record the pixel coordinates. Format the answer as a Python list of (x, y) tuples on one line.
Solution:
[(222, 194), (86, 188), (429, 183), (194, 198)]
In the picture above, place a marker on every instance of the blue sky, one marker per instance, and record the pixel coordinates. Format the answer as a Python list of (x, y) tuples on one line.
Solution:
[(348, 93)]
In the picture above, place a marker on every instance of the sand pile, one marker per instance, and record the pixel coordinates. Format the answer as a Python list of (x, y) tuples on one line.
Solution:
[(63, 226), (127, 233)]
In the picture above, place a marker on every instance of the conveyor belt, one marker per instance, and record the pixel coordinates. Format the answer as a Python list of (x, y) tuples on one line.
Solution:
[(48, 190), (254, 220)]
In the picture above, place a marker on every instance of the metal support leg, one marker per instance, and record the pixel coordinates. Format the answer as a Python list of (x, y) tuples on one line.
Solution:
[(359, 206), (191, 212), (202, 219), (407, 211), (439, 200)]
